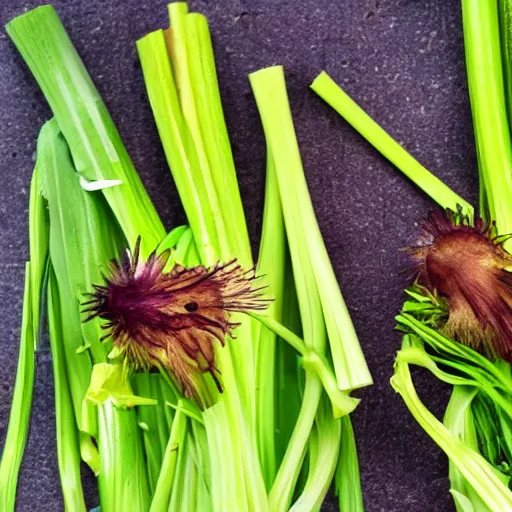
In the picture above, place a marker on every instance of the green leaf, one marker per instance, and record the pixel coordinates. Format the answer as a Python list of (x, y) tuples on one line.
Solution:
[(110, 383)]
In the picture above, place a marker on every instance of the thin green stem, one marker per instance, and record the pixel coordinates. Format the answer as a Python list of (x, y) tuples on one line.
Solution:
[(338, 99), (21, 403)]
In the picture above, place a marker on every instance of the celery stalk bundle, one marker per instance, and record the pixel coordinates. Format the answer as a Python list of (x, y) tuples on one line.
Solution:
[(455, 322), (276, 431)]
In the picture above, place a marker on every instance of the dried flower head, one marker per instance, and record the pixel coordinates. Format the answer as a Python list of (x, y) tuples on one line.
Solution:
[(469, 267), (172, 319)]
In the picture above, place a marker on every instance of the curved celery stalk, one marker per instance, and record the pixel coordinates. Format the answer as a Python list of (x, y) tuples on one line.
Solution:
[(324, 448), (21, 403), (338, 99), (97, 150), (68, 452), (479, 474)]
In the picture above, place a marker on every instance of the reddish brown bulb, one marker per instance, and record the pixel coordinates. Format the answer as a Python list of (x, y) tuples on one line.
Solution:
[(469, 267), (172, 319)]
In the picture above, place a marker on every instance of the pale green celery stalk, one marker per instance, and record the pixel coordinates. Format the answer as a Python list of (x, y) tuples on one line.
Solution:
[(324, 447), (187, 62), (167, 478), (182, 67), (81, 235), (122, 481), (458, 419), (199, 446), (348, 482), (183, 496), (271, 264), (505, 21), (210, 117), (21, 403), (222, 456), (479, 474), (288, 389), (270, 92), (488, 106), (96, 147), (243, 471), (56, 168), (333, 95), (177, 142), (38, 248), (148, 421), (66, 434)]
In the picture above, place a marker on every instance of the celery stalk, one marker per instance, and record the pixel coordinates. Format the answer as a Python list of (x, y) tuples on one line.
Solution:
[(215, 136), (21, 403), (38, 247), (488, 107), (271, 262), (175, 446), (479, 474), (68, 452), (348, 483), (270, 92), (96, 147), (333, 95), (177, 142), (122, 480)]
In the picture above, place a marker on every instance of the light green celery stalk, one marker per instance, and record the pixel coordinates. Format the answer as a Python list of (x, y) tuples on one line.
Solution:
[(215, 135), (68, 453), (505, 22), (122, 481), (96, 147), (83, 236), (177, 142), (317, 290), (150, 423), (183, 496), (270, 92), (242, 478), (189, 57), (182, 65), (324, 448), (271, 265), (488, 107), (348, 482), (288, 385), (167, 478), (71, 212), (458, 419), (21, 403), (38, 248), (338, 99), (477, 472)]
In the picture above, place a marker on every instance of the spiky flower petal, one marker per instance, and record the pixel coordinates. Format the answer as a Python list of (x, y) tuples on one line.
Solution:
[(172, 319), (469, 267)]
